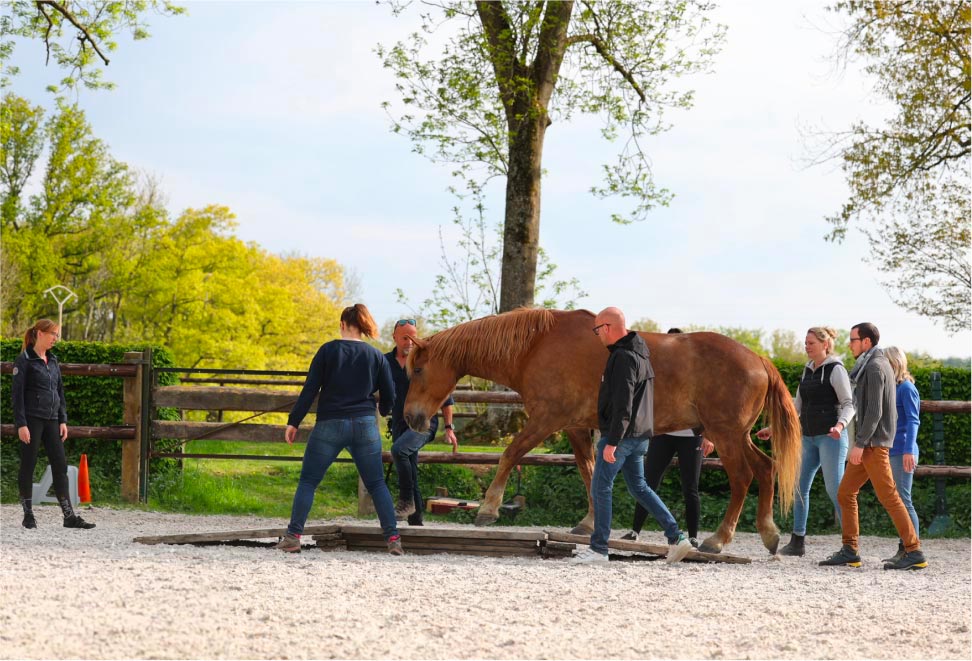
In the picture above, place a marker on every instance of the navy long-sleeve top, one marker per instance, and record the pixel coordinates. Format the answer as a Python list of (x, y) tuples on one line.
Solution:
[(346, 373)]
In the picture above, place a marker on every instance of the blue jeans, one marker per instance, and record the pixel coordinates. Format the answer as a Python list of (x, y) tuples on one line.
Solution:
[(360, 437), (902, 481), (629, 460), (404, 451), (819, 452)]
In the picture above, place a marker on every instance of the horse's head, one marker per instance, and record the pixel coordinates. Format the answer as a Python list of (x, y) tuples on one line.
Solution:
[(432, 381)]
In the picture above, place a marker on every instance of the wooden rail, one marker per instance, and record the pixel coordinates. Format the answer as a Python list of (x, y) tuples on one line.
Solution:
[(84, 369)]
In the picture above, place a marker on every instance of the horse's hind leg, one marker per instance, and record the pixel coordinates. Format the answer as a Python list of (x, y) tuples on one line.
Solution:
[(733, 455), (580, 442), (532, 433), (762, 466)]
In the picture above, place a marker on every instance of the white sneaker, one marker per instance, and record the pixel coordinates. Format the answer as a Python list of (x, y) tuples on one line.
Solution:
[(590, 556), (678, 550)]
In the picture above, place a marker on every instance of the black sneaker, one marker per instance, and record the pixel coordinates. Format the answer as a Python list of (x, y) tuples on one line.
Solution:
[(910, 560), (845, 556), (29, 521), (897, 556), (75, 521), (630, 536), (795, 547), (415, 520)]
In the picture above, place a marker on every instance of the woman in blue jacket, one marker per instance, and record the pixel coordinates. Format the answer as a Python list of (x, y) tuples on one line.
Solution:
[(346, 373), (904, 453), (40, 416)]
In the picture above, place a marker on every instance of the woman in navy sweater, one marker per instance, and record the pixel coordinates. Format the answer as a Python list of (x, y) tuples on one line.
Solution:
[(40, 415), (346, 373)]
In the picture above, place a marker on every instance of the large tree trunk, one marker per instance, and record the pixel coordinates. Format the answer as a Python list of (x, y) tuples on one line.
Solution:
[(521, 230)]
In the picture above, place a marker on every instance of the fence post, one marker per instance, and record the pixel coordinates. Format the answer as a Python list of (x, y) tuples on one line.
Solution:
[(132, 415), (148, 412), (942, 521)]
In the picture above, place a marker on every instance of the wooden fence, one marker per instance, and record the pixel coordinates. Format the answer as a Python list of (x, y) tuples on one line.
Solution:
[(142, 397)]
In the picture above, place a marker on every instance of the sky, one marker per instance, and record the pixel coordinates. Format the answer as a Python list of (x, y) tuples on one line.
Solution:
[(274, 110)]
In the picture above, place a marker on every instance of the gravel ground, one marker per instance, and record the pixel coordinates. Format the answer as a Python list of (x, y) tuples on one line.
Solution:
[(96, 594)]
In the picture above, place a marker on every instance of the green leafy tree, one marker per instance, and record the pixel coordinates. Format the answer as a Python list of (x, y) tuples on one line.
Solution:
[(909, 179), (483, 95), (86, 211), (78, 35), (786, 346)]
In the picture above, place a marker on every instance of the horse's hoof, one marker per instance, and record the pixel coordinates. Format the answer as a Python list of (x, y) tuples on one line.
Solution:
[(711, 545), (773, 545), (581, 530), (483, 519)]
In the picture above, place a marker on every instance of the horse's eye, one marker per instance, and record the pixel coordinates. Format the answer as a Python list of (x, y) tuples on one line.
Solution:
[(417, 370)]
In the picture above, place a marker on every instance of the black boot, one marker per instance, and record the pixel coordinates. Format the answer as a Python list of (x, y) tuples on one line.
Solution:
[(795, 547), (75, 521), (29, 521), (897, 556), (72, 520)]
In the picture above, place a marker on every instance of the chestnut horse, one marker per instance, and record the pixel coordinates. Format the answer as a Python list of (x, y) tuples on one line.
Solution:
[(555, 362)]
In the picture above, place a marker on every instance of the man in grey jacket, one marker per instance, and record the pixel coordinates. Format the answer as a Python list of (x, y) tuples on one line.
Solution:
[(625, 415), (874, 400)]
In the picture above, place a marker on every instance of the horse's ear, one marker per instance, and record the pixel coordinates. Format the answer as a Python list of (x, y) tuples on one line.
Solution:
[(419, 342)]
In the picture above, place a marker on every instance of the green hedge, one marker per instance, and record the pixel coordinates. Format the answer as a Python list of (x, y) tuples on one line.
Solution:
[(91, 401)]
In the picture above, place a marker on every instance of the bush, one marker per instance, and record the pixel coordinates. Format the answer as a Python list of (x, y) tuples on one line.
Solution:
[(91, 401)]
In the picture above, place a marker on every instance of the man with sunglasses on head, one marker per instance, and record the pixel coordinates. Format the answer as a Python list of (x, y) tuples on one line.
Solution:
[(625, 416), (406, 443)]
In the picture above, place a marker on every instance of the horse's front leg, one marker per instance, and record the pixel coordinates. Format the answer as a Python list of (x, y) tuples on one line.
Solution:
[(531, 436), (740, 476), (580, 442)]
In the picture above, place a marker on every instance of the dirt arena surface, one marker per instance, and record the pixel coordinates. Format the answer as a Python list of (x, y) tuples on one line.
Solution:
[(96, 594)]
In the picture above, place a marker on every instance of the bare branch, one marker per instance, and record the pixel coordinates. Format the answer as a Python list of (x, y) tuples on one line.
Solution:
[(63, 11)]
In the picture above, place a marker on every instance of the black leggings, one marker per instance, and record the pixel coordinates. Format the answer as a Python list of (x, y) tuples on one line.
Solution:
[(47, 432), (661, 449)]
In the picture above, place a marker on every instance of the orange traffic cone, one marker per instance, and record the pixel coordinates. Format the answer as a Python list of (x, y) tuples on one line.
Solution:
[(84, 487)]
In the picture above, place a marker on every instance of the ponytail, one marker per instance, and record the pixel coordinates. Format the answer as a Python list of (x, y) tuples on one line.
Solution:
[(358, 316), (30, 337)]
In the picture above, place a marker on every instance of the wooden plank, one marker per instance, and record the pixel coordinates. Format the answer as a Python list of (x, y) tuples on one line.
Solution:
[(428, 531), (83, 369), (221, 431), (408, 545), (230, 535), (111, 433), (644, 547), (225, 399), (446, 544), (425, 550)]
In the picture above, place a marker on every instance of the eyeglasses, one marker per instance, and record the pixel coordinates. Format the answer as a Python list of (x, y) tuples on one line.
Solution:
[(404, 322), (855, 339), (56, 334), (597, 329)]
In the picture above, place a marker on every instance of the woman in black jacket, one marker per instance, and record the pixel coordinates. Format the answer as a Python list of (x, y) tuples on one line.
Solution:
[(41, 417)]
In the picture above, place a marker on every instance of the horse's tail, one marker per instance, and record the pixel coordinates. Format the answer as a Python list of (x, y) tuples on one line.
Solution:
[(787, 437)]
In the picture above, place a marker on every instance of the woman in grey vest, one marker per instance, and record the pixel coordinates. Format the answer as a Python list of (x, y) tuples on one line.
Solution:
[(825, 403)]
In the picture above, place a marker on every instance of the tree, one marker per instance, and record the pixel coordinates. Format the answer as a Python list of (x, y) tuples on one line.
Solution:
[(909, 180), (468, 287), (510, 69), (188, 284), (78, 34)]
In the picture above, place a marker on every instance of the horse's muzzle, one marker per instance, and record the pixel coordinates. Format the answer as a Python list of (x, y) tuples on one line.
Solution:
[(418, 422)]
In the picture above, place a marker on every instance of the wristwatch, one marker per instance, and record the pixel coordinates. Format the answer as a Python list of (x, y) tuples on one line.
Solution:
[(449, 426)]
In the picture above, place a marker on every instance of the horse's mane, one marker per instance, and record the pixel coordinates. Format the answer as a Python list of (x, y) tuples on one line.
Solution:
[(500, 338)]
